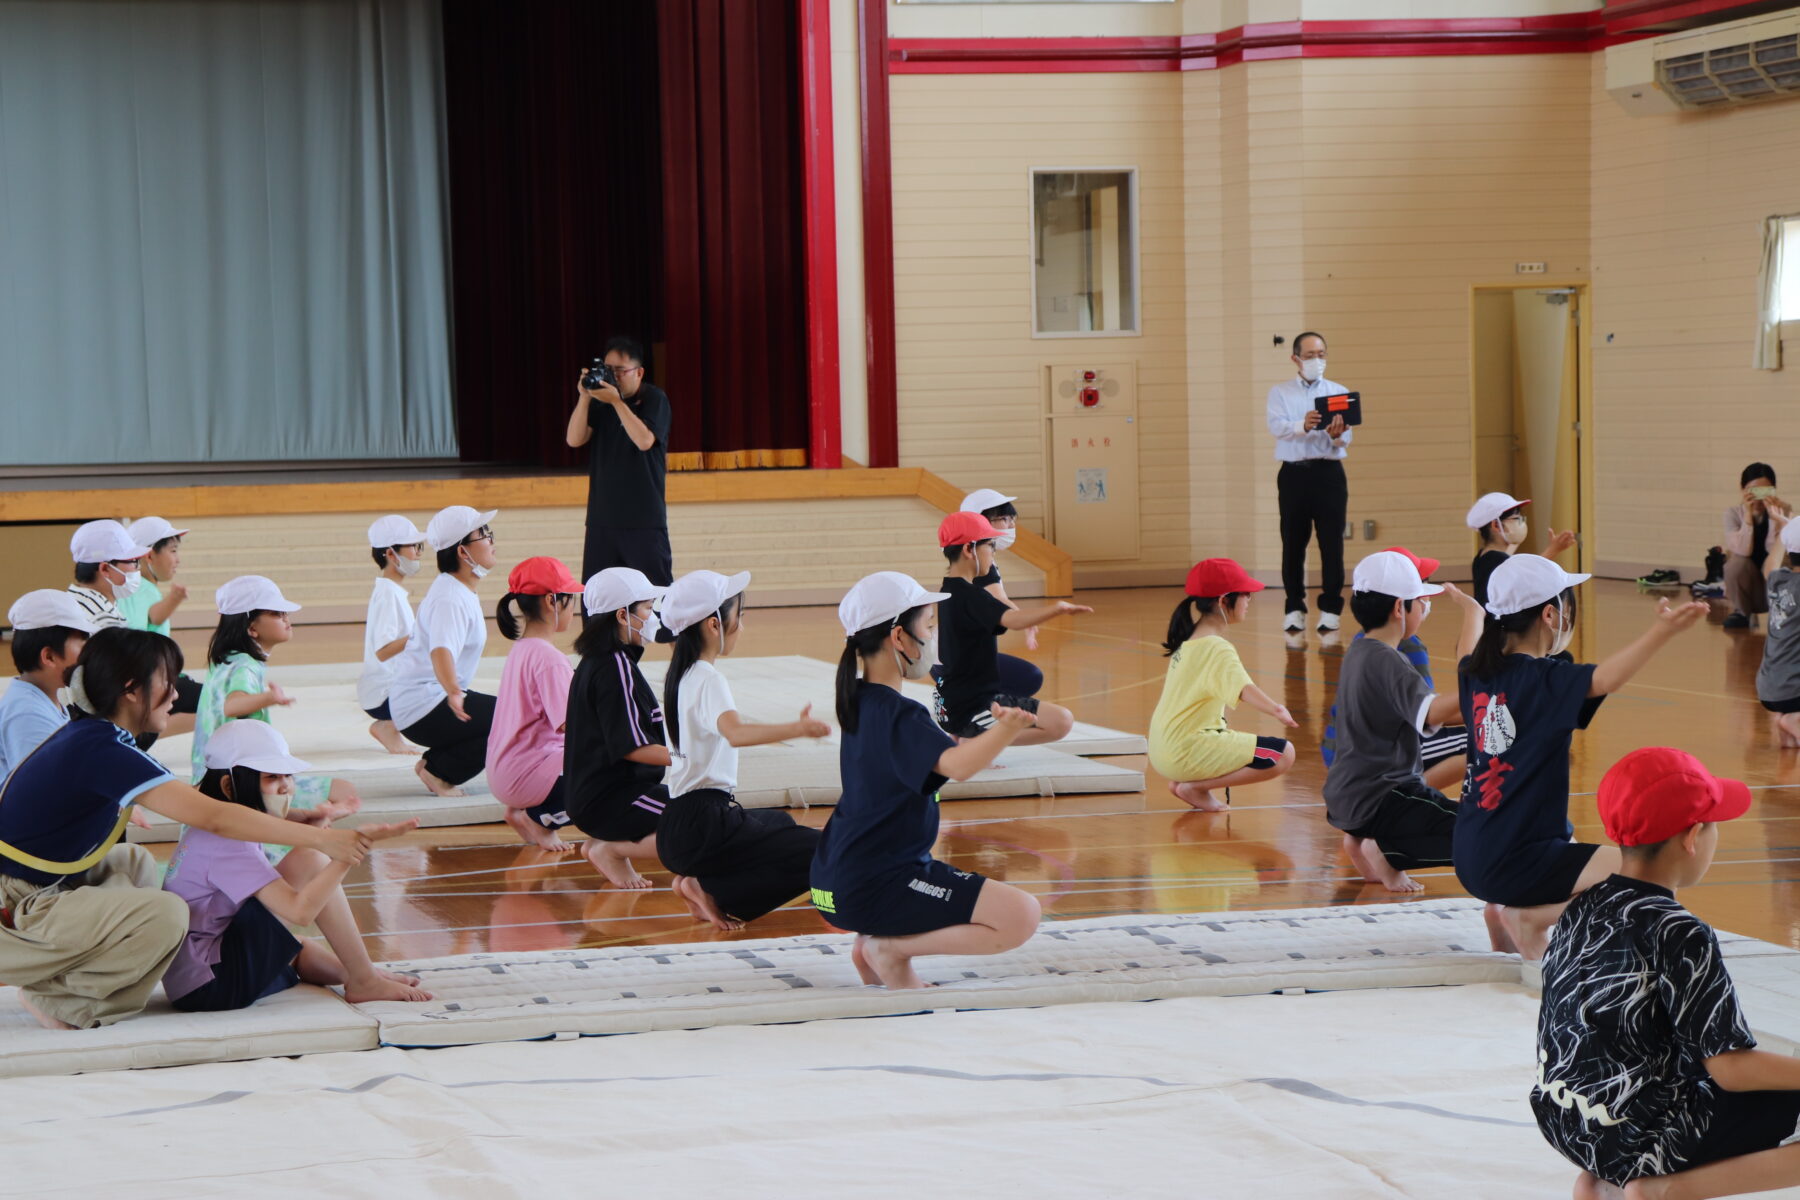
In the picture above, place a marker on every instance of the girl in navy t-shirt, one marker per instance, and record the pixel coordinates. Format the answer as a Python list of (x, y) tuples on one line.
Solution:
[(873, 873), (1521, 705)]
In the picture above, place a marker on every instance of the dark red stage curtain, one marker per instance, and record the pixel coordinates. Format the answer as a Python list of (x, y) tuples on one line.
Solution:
[(734, 287), (552, 119)]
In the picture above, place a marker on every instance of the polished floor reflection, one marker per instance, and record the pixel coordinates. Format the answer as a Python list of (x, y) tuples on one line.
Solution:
[(470, 889)]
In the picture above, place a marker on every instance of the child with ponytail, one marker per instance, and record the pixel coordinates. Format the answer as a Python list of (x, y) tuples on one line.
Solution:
[(1190, 744), (525, 745), (873, 873), (1521, 705), (731, 866)]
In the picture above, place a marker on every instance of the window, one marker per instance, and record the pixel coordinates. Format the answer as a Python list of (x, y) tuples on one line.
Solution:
[(1788, 300), (1084, 269)]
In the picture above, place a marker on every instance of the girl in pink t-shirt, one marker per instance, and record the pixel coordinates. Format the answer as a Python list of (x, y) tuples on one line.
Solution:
[(525, 748)]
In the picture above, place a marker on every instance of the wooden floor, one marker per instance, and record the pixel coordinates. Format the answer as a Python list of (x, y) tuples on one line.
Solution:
[(464, 890)]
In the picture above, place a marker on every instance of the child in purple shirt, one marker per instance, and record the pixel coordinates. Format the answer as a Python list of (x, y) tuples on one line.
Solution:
[(238, 948)]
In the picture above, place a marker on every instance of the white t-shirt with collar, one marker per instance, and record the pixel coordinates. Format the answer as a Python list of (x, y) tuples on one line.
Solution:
[(450, 619), (703, 759)]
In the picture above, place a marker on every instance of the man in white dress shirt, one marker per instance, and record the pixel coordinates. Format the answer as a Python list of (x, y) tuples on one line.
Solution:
[(1311, 485)]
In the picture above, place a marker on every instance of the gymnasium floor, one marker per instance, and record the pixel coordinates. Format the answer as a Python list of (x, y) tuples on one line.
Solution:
[(464, 890)]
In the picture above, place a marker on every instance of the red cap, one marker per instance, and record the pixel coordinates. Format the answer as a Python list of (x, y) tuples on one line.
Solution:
[(1656, 793), (1427, 566), (1217, 577), (542, 577), (961, 528)]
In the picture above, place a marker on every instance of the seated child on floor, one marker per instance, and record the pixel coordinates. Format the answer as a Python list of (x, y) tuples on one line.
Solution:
[(1648, 1077), (1778, 679), (395, 544), (1018, 676), (1375, 792), (238, 948), (48, 631), (873, 872), (531, 710), (1190, 744)]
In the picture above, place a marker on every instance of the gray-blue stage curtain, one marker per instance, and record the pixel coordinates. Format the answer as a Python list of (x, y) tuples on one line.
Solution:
[(223, 231)]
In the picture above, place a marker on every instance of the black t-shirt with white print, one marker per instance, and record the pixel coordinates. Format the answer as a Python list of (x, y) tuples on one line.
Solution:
[(1636, 999)]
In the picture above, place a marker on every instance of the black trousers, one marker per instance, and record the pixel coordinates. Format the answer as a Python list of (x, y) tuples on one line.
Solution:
[(1314, 496), (645, 550), (455, 750)]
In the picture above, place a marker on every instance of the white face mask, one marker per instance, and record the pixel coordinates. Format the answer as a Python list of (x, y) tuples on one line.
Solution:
[(1006, 539), (276, 803), (646, 631), (1564, 633), (1515, 531), (920, 667), (407, 566), (133, 581), (475, 568), (1312, 369)]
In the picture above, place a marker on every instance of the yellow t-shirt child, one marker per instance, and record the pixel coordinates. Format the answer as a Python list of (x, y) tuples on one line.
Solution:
[(1188, 735)]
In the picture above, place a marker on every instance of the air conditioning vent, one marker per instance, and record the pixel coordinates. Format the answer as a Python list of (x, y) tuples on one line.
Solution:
[(1750, 71)]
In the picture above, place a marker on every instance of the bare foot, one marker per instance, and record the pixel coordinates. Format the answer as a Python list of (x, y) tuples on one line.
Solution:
[(1789, 724), (1589, 1186), (1648, 1188), (614, 866), (1196, 797), (860, 958), (388, 735), (702, 906), (534, 834), (380, 987), (398, 976), (1499, 936), (43, 1018), (433, 784), (1376, 868), (895, 971)]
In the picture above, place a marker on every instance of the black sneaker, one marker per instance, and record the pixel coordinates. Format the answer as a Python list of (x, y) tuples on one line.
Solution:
[(1662, 577), (1737, 621)]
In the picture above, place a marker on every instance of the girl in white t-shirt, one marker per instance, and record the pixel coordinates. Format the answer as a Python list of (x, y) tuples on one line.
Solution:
[(395, 543), (430, 698), (731, 866)]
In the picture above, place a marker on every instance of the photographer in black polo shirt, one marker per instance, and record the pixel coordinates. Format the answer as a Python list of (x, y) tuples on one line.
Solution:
[(626, 424)]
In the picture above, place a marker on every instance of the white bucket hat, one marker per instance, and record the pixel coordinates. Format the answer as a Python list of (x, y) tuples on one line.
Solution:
[(698, 595), (251, 593), (1526, 581), (879, 599)]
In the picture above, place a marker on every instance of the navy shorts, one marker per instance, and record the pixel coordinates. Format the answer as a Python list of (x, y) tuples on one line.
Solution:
[(1413, 827), (1268, 753), (1443, 746), (622, 815), (934, 895), (380, 712), (1782, 707), (256, 959), (1535, 874), (1744, 1123), (551, 813)]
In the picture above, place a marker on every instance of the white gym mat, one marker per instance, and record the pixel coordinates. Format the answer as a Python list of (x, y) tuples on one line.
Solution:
[(301, 1020), (324, 727)]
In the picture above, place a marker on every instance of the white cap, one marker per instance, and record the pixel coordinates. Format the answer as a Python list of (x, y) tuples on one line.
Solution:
[(48, 607), (253, 744), (252, 593), (394, 530), (1790, 537), (147, 531), (697, 596), (1525, 581), (1489, 508), (879, 599), (618, 587), (453, 524), (1392, 574), (982, 499), (104, 541)]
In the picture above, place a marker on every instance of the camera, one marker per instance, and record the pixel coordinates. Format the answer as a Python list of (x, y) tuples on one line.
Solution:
[(599, 374)]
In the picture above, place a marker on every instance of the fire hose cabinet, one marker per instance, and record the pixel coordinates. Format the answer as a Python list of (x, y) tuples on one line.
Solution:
[(1091, 415)]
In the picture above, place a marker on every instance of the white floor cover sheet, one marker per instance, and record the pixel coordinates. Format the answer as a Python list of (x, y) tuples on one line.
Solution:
[(324, 727), (1366, 1095)]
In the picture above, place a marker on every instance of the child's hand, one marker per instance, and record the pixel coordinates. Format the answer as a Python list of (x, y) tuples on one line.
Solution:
[(277, 697), (1285, 717), (1031, 638), (1065, 609), (1460, 597), (1674, 618), (1013, 720), (344, 845), (455, 701), (177, 592), (811, 728), (381, 833), (140, 818), (1559, 542)]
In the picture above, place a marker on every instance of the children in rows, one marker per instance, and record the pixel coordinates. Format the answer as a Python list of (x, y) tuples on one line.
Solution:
[(155, 600), (1648, 1076), (615, 752), (395, 544), (1440, 752), (972, 620), (1393, 820), (238, 948), (1499, 521), (1521, 705), (430, 696), (89, 930), (731, 866), (106, 569), (253, 620), (872, 872), (1752, 544), (1018, 676), (49, 628), (1190, 744), (525, 748), (1778, 678)]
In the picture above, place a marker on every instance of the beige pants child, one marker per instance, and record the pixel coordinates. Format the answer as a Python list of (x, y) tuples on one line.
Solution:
[(91, 955)]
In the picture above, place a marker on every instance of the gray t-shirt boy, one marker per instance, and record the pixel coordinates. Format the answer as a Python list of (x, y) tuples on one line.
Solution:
[(1381, 703), (1778, 679)]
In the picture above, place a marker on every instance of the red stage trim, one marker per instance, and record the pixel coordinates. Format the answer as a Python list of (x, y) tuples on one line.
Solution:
[(878, 235), (825, 442)]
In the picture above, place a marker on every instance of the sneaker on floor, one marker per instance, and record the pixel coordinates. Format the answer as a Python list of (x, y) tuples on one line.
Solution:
[(1708, 591), (1328, 622), (1296, 622), (1737, 621)]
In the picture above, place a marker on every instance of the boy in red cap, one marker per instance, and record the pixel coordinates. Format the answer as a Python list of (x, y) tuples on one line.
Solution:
[(1648, 1077), (1190, 744), (970, 623)]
